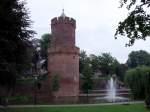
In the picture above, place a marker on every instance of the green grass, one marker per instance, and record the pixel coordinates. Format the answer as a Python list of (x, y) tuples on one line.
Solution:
[(110, 108)]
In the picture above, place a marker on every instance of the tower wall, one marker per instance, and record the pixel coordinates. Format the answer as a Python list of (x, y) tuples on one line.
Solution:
[(63, 58), (63, 31)]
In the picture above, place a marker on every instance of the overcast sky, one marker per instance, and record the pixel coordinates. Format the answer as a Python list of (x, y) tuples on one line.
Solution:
[(96, 20)]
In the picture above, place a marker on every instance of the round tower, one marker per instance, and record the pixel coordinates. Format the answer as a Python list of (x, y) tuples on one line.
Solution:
[(63, 56)]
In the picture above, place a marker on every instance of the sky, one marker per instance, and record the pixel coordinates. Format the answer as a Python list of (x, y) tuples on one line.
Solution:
[(96, 21)]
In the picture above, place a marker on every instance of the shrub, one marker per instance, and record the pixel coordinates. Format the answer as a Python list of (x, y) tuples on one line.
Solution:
[(55, 82)]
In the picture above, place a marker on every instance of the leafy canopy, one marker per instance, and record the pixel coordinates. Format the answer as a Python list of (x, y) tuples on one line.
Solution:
[(138, 80), (137, 24), (15, 33), (45, 43), (137, 58)]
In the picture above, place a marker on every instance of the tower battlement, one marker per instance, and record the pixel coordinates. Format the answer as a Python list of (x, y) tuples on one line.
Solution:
[(63, 20)]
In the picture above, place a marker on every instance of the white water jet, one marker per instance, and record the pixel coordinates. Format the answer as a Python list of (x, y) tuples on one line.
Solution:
[(111, 93), (111, 90)]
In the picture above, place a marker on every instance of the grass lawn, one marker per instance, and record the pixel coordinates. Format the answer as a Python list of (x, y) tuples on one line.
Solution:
[(109, 108)]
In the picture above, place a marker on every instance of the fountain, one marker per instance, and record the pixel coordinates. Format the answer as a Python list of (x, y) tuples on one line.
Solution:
[(115, 92), (111, 90), (111, 95)]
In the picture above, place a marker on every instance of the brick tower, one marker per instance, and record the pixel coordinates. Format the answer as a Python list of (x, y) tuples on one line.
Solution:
[(63, 56)]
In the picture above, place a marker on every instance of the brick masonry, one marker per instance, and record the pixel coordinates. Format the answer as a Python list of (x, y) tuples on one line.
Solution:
[(63, 57)]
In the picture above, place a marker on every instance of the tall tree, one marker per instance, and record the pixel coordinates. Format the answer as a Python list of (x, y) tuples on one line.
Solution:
[(137, 58), (83, 60), (87, 75), (108, 64), (15, 33), (95, 62), (121, 70), (137, 24), (45, 43), (138, 80), (104, 63), (86, 72)]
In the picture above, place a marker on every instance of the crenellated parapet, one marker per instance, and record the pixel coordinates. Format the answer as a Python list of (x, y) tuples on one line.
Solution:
[(63, 31), (63, 20)]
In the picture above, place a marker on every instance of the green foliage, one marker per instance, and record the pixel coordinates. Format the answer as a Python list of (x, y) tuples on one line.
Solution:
[(15, 33), (120, 71), (55, 82), (147, 90), (83, 60), (17, 99), (45, 43), (138, 80), (87, 75), (137, 24), (137, 58), (104, 63), (108, 64), (95, 62)]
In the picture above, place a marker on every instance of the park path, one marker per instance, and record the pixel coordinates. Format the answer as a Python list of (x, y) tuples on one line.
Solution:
[(74, 105)]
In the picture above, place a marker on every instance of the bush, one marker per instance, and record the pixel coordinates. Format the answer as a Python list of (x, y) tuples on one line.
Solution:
[(15, 99), (55, 82)]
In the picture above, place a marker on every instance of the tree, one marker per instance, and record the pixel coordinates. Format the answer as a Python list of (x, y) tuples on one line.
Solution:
[(108, 64), (147, 89), (104, 63), (138, 80), (137, 58), (121, 70), (15, 33), (95, 63), (45, 43), (137, 24), (35, 60), (83, 60), (87, 75)]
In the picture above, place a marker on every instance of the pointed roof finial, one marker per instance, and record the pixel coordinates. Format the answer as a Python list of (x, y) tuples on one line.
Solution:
[(63, 14)]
